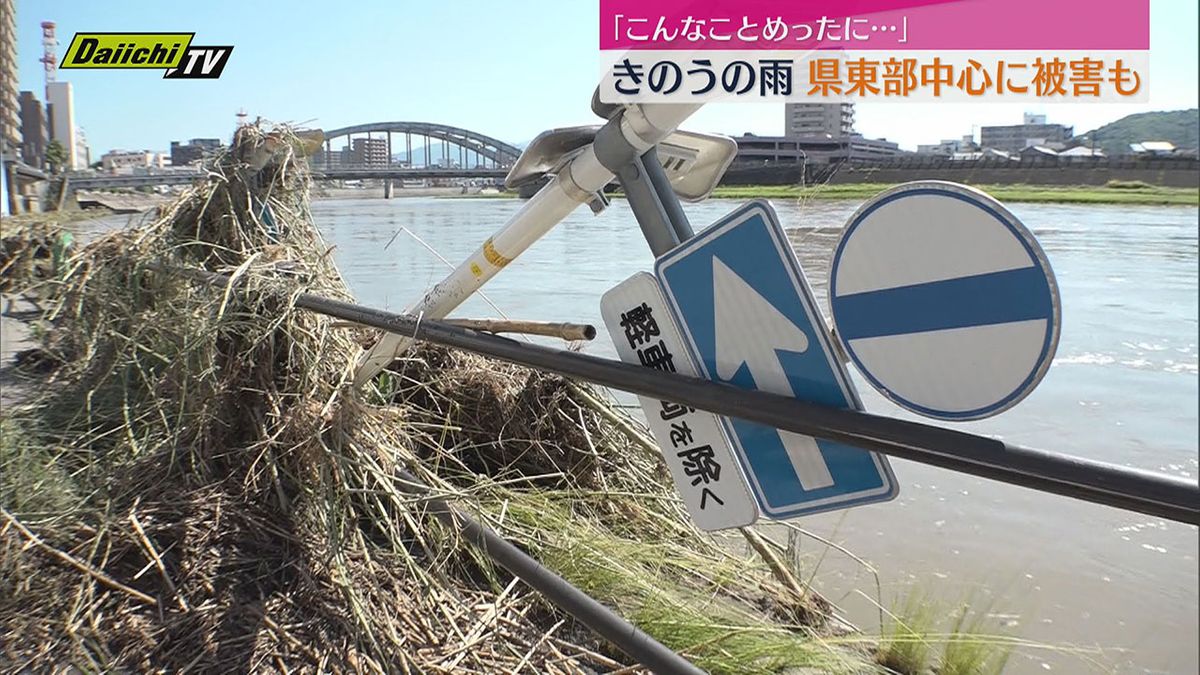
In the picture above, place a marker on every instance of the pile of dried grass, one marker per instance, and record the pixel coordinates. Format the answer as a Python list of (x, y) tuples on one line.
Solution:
[(199, 488), (31, 254)]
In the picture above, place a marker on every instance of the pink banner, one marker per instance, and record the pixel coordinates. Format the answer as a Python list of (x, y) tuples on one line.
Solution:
[(978, 25)]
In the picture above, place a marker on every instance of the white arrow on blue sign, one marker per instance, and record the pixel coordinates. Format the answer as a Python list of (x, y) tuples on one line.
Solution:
[(744, 305), (944, 300)]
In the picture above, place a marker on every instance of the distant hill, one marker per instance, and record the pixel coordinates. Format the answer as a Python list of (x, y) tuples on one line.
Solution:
[(1178, 127)]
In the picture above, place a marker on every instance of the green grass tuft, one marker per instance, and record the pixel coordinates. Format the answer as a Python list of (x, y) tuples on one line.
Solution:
[(914, 642), (905, 646), (971, 649), (655, 585)]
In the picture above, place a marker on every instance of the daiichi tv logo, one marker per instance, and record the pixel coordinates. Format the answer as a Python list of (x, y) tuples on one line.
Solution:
[(171, 51)]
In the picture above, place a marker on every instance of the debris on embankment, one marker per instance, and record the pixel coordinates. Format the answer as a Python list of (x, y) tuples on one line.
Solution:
[(32, 253), (198, 487)]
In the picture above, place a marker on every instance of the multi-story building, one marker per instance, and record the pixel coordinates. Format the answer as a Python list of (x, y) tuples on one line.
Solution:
[(60, 109), (818, 119), (10, 106), (183, 154), (369, 152), (949, 147), (83, 151), (194, 150), (330, 159), (814, 133), (784, 149), (811, 149), (129, 162), (862, 148), (1033, 131), (35, 131)]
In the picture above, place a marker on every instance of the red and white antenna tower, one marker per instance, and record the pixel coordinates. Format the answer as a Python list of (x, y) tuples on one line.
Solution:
[(49, 53)]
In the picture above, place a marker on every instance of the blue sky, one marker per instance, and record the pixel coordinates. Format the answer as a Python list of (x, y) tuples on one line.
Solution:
[(508, 70)]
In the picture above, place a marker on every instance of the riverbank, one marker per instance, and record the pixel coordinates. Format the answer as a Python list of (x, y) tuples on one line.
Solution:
[(12, 225), (376, 192), (1130, 567), (121, 202), (1117, 193), (252, 508)]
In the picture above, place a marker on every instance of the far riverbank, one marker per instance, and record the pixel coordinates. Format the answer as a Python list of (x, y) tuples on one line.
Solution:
[(1117, 193), (1114, 193)]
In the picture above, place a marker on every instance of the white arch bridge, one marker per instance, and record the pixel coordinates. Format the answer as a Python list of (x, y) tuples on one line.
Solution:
[(412, 144)]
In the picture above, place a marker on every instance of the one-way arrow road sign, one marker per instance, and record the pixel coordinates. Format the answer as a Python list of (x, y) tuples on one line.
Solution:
[(750, 320), (742, 315)]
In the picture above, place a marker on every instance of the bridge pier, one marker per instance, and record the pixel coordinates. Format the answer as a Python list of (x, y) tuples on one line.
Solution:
[(388, 186)]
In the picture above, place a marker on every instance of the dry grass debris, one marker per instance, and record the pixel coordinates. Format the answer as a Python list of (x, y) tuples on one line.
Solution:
[(199, 488)]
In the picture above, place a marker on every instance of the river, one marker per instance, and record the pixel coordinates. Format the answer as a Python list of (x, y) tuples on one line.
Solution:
[(1102, 589)]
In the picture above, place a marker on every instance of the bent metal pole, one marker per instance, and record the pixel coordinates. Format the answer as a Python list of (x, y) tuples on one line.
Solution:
[(624, 138), (1121, 487)]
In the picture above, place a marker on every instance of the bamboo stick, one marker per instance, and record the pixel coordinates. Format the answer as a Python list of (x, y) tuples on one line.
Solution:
[(566, 331), (74, 562)]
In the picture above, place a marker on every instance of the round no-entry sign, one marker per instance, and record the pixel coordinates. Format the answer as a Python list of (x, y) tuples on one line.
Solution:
[(944, 300)]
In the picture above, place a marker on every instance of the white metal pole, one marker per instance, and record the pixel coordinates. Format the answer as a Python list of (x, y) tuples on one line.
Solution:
[(642, 126)]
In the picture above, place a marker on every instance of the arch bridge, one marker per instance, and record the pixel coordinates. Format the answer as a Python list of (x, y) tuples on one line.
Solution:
[(411, 145)]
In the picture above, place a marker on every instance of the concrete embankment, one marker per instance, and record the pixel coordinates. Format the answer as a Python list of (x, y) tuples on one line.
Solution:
[(376, 192), (121, 202), (1163, 172)]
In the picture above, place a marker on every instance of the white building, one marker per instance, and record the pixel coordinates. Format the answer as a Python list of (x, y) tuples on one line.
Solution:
[(130, 161), (818, 119), (1156, 148), (83, 151), (949, 147), (985, 153), (1081, 151), (1033, 131), (60, 104)]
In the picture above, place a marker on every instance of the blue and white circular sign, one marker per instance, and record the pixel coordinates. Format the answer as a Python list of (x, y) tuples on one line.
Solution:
[(944, 300)]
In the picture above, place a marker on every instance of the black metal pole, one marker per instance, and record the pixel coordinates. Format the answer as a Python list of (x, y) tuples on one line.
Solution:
[(1089, 480), (646, 205), (602, 620)]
